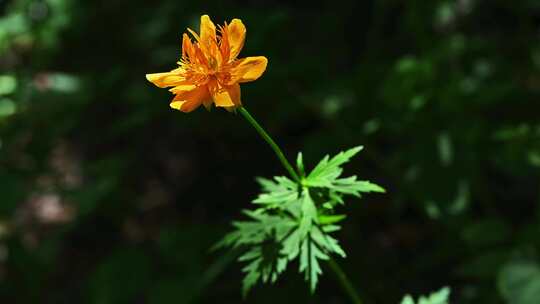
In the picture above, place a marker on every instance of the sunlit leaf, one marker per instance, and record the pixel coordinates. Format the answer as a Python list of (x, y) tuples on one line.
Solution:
[(8, 84), (519, 282), (7, 107), (439, 297)]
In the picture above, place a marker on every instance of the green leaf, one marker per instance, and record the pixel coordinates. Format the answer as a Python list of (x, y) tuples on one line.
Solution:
[(291, 245), (250, 279), (309, 262), (8, 84), (326, 175), (274, 239), (309, 213), (326, 242), (7, 107), (519, 282), (294, 221), (331, 219), (278, 184), (266, 184), (407, 300), (14, 24), (439, 297), (330, 228), (444, 144), (261, 228), (329, 169), (277, 193), (265, 263), (351, 186), (276, 198)]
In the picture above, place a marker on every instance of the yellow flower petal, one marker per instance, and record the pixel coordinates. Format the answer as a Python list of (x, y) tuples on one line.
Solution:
[(236, 34), (248, 69), (207, 30), (225, 96), (194, 34), (189, 101), (167, 79), (224, 46), (209, 44), (209, 70), (187, 47), (183, 88)]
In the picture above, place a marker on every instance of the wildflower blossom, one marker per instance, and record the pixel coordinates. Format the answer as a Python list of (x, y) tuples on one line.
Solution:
[(209, 71)]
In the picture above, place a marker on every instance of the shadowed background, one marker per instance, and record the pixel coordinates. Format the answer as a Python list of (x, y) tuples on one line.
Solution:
[(109, 196)]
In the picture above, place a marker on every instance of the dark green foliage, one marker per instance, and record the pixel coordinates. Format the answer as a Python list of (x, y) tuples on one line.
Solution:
[(443, 94), (519, 282)]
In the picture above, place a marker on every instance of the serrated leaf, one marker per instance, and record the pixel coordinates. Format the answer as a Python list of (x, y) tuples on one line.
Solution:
[(326, 242), (354, 187), (367, 186), (291, 245), (438, 297), (331, 219), (290, 219), (330, 228), (327, 175), (328, 169), (267, 185), (250, 279), (280, 193), (407, 300), (276, 198), (309, 213), (279, 183), (265, 263), (309, 262), (334, 199), (285, 182), (261, 227)]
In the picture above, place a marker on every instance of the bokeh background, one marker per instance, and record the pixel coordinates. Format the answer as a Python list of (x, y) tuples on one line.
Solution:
[(109, 196)]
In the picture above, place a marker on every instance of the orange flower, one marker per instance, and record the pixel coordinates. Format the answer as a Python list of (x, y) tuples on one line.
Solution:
[(209, 71)]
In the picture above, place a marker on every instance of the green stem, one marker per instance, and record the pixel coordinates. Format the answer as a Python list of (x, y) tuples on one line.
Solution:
[(344, 281), (342, 277), (271, 142)]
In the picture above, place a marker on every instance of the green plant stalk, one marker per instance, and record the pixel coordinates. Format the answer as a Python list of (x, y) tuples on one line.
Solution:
[(344, 281), (342, 277), (271, 142)]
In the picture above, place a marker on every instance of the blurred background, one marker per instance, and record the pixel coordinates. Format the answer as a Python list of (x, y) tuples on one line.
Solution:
[(109, 196)]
